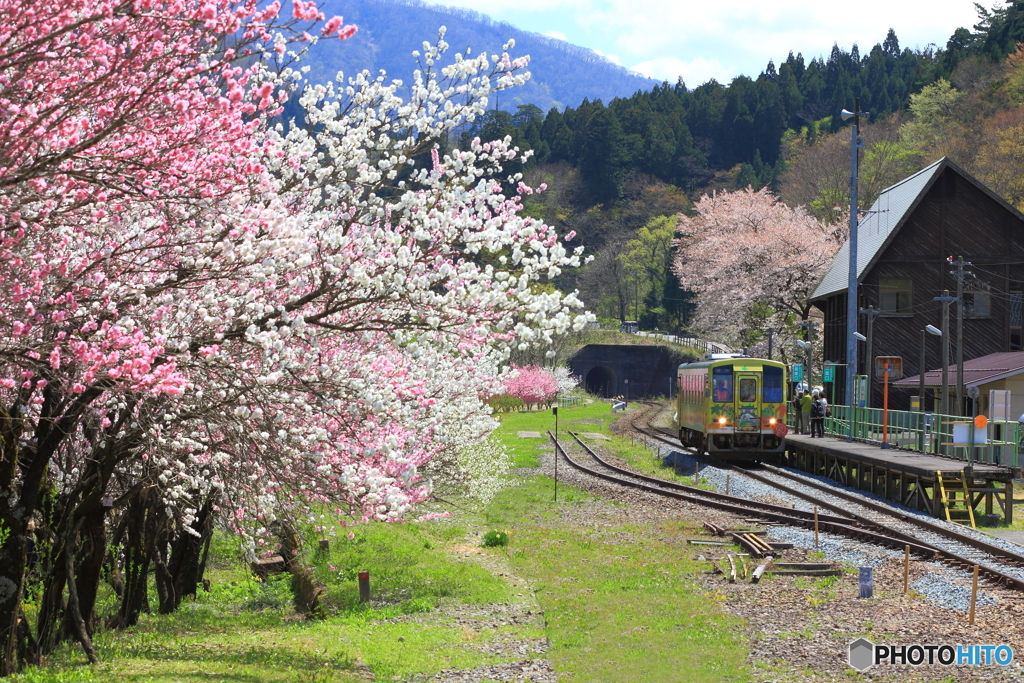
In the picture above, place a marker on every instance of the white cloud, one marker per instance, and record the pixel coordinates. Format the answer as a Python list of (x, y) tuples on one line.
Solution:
[(694, 72), (557, 35), (726, 38), (610, 58)]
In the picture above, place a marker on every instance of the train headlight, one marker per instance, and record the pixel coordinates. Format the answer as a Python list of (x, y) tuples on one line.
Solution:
[(722, 420), (772, 421)]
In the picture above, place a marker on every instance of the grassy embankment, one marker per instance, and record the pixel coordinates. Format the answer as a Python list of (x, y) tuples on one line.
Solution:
[(618, 600)]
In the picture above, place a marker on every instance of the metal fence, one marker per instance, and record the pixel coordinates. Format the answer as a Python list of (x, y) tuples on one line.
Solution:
[(928, 433), (702, 345)]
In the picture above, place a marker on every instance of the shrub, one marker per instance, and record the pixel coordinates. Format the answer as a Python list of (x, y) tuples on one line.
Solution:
[(493, 539), (505, 403)]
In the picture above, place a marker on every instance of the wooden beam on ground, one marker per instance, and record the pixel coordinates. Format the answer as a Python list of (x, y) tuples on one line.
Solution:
[(756, 576)]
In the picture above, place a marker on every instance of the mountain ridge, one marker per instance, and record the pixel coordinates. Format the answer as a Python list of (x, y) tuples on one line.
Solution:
[(562, 74)]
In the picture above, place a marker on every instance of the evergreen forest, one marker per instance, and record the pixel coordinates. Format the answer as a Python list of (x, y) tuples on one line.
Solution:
[(615, 171)]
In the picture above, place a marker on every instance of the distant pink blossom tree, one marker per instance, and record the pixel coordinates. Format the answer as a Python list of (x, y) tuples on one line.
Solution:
[(533, 384), (752, 262)]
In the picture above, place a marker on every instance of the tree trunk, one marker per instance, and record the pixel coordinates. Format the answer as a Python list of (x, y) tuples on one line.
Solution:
[(52, 605), (93, 547), (139, 543), (12, 578), (73, 610), (188, 556)]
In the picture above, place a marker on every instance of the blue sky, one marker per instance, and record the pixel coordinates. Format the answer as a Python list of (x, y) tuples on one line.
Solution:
[(721, 39)]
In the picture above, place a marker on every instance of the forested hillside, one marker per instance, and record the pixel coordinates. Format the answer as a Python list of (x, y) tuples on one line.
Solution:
[(616, 169), (390, 30)]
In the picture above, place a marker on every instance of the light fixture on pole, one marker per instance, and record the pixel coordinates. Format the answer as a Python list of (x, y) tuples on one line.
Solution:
[(853, 403), (931, 329), (806, 346), (851, 290)]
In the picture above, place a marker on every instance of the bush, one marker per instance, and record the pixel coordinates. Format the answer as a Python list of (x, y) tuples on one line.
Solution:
[(493, 539), (505, 403)]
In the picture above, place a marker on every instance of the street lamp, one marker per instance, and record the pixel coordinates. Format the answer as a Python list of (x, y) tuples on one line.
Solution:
[(853, 407), (931, 329), (806, 346), (851, 290)]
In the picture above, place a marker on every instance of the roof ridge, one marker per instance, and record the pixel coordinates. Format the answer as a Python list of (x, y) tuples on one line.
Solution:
[(909, 178)]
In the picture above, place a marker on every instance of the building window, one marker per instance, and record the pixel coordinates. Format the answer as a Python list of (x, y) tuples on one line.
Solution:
[(977, 304), (896, 297)]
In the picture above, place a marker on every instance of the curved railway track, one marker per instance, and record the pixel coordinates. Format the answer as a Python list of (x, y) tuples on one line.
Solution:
[(961, 550), (739, 506)]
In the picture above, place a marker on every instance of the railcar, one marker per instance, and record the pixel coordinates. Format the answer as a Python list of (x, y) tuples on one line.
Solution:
[(733, 408)]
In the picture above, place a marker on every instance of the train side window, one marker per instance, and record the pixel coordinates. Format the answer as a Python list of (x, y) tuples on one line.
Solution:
[(721, 384), (771, 378)]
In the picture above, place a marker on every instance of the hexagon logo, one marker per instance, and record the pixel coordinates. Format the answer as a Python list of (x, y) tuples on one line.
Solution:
[(862, 654)]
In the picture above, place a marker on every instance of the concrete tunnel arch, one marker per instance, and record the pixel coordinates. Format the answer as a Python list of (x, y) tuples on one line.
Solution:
[(601, 381)]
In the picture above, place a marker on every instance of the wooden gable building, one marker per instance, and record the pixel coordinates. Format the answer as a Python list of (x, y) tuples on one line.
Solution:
[(904, 242)]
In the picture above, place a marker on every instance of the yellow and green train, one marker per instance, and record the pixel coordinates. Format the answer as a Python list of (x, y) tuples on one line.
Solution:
[(733, 408)]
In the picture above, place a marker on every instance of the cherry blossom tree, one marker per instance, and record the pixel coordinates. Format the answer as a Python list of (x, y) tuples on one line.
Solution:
[(752, 262), (564, 378), (533, 384)]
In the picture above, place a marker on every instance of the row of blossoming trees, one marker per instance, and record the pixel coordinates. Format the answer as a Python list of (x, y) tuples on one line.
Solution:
[(205, 317)]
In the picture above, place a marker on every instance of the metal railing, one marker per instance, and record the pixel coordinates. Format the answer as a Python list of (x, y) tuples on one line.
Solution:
[(926, 433)]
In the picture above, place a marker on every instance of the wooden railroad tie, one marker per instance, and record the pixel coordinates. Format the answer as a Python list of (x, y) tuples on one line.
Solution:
[(757, 547)]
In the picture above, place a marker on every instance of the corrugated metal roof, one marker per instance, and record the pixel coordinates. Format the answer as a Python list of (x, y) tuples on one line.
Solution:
[(882, 220), (982, 370)]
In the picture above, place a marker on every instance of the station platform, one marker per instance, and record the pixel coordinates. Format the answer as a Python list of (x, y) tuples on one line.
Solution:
[(908, 477)]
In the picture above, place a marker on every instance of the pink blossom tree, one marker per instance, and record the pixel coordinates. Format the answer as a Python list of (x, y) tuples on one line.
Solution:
[(126, 125), (752, 263), (533, 384)]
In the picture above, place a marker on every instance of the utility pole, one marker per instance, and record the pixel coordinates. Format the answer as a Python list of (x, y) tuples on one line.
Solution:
[(946, 300), (851, 289), (959, 273), (871, 313), (771, 333)]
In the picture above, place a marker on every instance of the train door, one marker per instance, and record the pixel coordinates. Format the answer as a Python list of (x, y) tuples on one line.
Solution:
[(748, 403)]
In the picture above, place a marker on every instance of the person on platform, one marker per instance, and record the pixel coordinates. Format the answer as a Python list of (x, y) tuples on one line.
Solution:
[(817, 416), (805, 411), (798, 423)]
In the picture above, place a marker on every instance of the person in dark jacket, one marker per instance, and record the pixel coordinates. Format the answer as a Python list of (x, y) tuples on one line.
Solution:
[(817, 416), (798, 423)]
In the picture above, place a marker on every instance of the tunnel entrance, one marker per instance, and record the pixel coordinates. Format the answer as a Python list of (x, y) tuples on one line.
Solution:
[(601, 382)]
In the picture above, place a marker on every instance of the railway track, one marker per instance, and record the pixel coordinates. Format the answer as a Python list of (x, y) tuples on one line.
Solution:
[(739, 506), (961, 550), (955, 548)]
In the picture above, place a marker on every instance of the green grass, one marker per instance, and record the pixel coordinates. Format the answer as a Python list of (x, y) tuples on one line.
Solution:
[(245, 630), (619, 598), (593, 417), (618, 610)]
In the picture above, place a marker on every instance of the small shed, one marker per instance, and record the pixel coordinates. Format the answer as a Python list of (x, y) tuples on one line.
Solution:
[(996, 371)]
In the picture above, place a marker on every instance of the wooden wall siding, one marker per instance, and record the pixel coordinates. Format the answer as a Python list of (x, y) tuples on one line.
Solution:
[(954, 218)]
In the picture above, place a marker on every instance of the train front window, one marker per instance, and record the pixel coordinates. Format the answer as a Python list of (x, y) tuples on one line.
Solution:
[(772, 380), (721, 384), (748, 390)]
